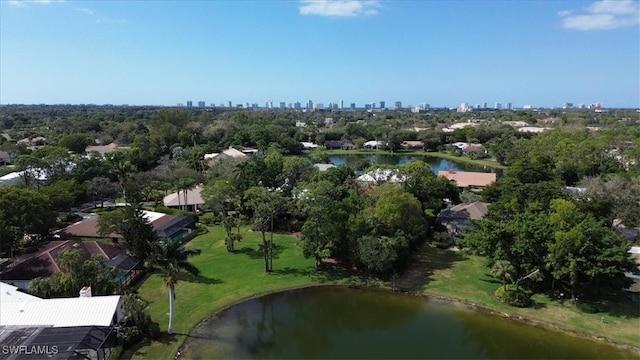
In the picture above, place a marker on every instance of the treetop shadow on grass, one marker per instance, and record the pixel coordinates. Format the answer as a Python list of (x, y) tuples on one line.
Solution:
[(163, 338), (423, 265), (201, 279), (323, 274), (617, 306), (258, 254)]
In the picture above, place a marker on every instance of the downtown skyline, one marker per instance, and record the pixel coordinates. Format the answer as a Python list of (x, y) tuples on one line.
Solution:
[(539, 53)]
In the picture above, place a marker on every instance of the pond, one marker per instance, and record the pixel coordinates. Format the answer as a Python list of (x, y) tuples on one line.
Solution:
[(341, 323), (436, 164)]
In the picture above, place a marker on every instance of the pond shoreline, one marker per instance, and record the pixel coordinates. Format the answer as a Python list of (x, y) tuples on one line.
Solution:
[(529, 320), (438, 298), (440, 155)]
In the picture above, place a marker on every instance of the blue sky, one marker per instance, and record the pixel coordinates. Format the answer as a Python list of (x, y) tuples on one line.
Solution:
[(542, 53)]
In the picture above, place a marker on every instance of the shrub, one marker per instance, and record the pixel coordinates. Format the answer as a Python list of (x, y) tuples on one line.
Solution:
[(515, 297), (129, 335), (587, 308), (208, 219)]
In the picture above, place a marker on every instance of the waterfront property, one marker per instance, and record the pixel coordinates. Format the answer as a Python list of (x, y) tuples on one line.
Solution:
[(469, 179), (43, 261), (63, 328), (189, 200)]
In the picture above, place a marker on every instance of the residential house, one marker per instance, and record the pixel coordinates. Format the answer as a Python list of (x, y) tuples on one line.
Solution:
[(373, 144), (379, 176), (227, 153), (43, 261), (5, 158), (323, 167), (411, 144), (458, 218), (328, 122), (339, 144), (191, 200), (164, 225), (469, 179), (306, 145), (34, 141), (102, 149), (83, 327), (11, 178)]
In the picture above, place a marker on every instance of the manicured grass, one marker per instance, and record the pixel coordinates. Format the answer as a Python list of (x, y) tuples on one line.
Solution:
[(225, 279), (453, 275), (441, 155)]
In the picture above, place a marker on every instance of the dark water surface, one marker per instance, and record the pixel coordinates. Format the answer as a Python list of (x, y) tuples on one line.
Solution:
[(436, 164), (342, 323)]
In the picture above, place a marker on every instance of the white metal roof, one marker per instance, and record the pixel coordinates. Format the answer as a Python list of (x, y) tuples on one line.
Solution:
[(10, 293), (80, 311), (152, 215)]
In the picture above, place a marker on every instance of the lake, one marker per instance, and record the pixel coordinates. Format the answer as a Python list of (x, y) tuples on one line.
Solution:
[(436, 164), (342, 323)]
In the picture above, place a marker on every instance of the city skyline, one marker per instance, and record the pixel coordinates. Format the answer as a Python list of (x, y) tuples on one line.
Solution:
[(539, 53)]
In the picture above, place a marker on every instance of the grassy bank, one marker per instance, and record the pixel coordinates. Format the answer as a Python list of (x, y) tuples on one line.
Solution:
[(453, 275), (440, 155), (225, 279)]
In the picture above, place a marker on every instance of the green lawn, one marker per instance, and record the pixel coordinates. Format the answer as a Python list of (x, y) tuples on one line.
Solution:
[(225, 279), (453, 275)]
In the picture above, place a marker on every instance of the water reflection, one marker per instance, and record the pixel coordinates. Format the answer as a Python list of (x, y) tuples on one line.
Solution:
[(336, 322), (436, 164)]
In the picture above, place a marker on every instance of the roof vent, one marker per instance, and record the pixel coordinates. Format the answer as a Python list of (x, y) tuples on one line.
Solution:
[(85, 292)]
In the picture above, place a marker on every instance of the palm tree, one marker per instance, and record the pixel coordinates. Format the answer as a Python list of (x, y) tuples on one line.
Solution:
[(169, 257), (503, 270)]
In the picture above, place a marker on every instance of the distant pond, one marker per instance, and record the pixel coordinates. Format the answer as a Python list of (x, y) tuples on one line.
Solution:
[(436, 164), (342, 323)]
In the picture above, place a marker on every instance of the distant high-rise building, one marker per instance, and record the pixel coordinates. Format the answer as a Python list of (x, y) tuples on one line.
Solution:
[(567, 105), (201, 104), (398, 105), (297, 105), (498, 106), (382, 104), (320, 106), (353, 105), (367, 106), (464, 107), (283, 105), (484, 105), (189, 103), (341, 104), (310, 105), (509, 105), (229, 104)]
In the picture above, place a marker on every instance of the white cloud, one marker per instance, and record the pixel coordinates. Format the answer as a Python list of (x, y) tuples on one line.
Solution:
[(85, 11), (617, 7), (339, 8), (564, 13), (23, 3), (603, 15)]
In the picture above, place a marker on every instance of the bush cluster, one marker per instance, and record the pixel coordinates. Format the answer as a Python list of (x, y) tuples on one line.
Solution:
[(513, 296)]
